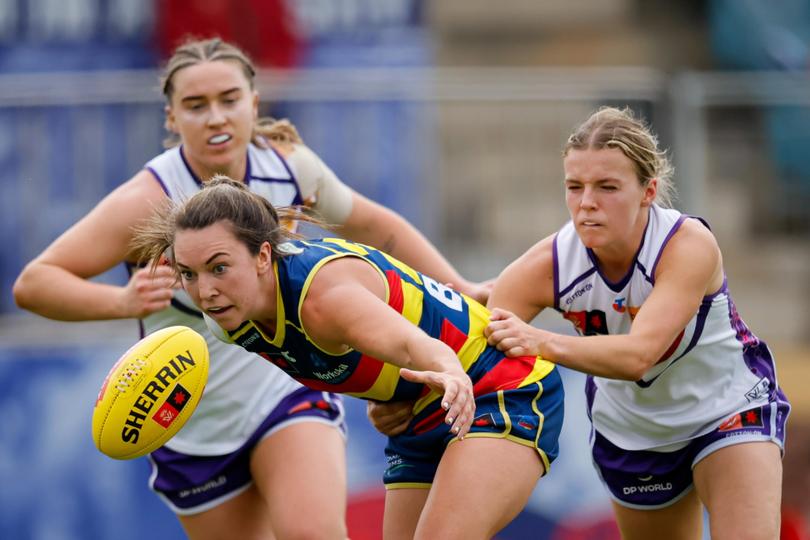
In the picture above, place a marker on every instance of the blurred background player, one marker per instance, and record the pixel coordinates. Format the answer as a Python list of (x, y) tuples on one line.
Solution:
[(341, 316), (227, 472), (681, 394)]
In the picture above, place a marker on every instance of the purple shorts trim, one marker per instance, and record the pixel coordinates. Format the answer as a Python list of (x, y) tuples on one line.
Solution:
[(649, 480), (191, 484)]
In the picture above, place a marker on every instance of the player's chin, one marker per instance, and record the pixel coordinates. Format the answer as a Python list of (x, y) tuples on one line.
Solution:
[(228, 319), (591, 237)]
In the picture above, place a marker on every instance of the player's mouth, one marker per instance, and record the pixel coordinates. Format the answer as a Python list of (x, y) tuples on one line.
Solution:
[(218, 311), (218, 139)]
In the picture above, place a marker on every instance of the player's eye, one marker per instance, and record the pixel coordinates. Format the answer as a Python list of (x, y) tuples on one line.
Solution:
[(219, 268), (186, 275)]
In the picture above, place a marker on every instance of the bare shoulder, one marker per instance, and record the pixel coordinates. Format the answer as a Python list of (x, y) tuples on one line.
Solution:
[(693, 237), (335, 278), (692, 253), (135, 199), (101, 239), (540, 257), (526, 286), (338, 283)]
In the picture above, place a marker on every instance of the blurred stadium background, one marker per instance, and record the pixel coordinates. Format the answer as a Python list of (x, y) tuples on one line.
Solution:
[(453, 112)]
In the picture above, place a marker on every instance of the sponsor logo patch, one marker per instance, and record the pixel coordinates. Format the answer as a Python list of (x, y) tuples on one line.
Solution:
[(750, 418), (170, 410), (484, 420), (578, 293), (588, 323), (647, 488), (527, 425), (759, 391), (319, 405)]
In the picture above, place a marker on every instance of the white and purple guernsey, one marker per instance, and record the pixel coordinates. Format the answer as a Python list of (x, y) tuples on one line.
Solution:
[(715, 368), (242, 388)]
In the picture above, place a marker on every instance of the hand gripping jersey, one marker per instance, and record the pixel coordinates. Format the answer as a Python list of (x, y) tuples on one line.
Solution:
[(716, 367), (438, 310), (242, 389)]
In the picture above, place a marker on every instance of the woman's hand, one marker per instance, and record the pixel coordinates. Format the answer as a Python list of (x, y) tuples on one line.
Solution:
[(148, 291), (390, 418), (510, 335), (457, 395)]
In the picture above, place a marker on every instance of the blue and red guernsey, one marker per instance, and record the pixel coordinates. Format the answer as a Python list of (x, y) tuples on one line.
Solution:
[(440, 311)]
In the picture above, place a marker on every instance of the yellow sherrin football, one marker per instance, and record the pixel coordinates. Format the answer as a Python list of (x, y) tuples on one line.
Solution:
[(150, 393)]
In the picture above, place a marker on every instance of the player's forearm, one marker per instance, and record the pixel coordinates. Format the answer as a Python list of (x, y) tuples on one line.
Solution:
[(615, 357), (54, 293), (428, 354)]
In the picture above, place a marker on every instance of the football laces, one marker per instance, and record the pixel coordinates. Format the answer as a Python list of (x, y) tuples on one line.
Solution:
[(130, 375)]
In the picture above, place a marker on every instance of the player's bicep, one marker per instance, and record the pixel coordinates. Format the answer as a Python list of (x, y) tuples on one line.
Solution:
[(101, 239), (685, 271), (346, 306), (526, 286)]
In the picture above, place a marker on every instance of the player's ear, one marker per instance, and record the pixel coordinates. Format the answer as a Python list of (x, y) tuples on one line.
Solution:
[(169, 123), (650, 191), (264, 260)]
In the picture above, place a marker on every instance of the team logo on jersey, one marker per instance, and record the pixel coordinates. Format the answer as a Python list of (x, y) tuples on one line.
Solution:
[(749, 418), (588, 323)]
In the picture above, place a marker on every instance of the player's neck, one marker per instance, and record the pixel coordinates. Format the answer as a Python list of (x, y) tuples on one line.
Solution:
[(270, 299)]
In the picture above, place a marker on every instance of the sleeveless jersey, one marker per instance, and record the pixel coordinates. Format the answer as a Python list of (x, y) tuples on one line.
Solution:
[(242, 389), (439, 311), (716, 367)]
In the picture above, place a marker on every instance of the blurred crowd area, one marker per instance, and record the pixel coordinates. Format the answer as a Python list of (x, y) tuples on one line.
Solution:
[(454, 113)]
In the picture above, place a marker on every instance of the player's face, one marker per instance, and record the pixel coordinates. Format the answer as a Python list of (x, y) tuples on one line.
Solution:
[(220, 274), (213, 110), (607, 203)]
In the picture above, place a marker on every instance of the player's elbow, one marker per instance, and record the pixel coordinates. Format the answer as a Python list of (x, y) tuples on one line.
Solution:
[(637, 365), (23, 291), (634, 371)]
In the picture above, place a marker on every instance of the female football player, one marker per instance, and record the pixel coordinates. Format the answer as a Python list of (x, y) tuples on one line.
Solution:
[(683, 398), (228, 472), (347, 318)]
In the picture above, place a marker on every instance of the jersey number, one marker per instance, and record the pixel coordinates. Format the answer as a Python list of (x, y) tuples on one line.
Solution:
[(443, 294)]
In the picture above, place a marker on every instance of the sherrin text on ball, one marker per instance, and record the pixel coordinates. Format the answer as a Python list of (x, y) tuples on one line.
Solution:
[(150, 393)]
